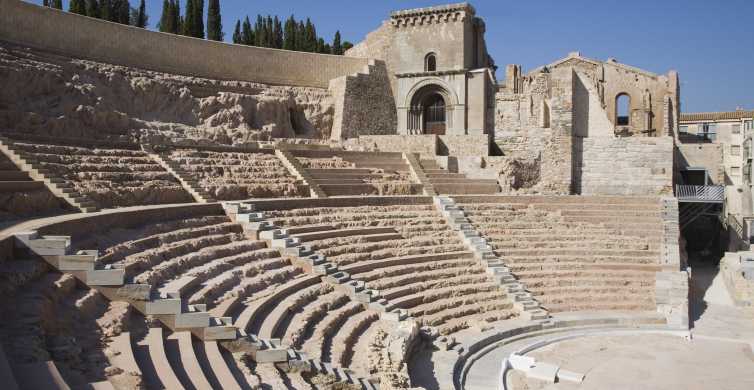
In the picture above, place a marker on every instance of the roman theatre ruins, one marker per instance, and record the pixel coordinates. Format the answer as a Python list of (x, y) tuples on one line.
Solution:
[(187, 214)]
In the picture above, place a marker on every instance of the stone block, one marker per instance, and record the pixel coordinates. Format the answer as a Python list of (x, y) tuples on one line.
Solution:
[(521, 362), (272, 355), (106, 277), (543, 371), (163, 306), (570, 376), (198, 319)]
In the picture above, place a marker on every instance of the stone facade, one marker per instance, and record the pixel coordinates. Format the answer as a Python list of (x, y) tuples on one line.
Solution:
[(436, 52)]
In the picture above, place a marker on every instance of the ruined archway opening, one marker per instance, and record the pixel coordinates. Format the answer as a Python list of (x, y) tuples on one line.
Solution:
[(623, 110)]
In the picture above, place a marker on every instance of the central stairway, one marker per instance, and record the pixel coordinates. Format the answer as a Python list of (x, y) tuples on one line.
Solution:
[(446, 182)]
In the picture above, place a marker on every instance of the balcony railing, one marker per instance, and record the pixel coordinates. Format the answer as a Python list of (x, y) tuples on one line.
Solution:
[(706, 194)]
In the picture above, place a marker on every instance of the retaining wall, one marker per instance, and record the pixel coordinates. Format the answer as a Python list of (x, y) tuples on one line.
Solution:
[(75, 35)]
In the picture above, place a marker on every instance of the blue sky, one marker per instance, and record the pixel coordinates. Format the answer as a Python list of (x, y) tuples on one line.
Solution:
[(710, 43)]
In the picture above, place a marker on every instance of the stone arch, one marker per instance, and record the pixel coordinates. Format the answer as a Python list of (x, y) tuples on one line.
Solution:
[(430, 105)]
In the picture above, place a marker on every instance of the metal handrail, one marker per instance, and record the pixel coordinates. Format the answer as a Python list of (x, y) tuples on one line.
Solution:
[(690, 193)]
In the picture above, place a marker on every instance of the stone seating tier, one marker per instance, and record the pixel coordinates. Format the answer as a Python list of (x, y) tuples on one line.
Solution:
[(576, 254)]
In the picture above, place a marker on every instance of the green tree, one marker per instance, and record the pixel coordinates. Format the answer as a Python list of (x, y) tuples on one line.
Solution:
[(277, 33), (199, 18), (106, 10), (77, 7), (237, 36), (46, 3), (260, 35), (141, 16), (289, 34), (347, 45), (337, 47), (56, 4), (321, 46), (300, 36), (166, 17), (310, 37), (92, 8), (214, 21), (188, 20), (247, 33), (175, 13)]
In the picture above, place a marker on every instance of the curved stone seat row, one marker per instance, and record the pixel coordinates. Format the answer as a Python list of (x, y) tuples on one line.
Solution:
[(383, 244)]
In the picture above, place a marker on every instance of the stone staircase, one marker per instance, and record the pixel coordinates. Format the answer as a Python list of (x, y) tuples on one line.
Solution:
[(297, 170), (524, 302), (58, 186), (189, 184), (418, 173), (445, 182)]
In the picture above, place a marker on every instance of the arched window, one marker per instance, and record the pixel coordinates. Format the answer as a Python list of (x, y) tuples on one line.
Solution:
[(623, 109), (430, 62)]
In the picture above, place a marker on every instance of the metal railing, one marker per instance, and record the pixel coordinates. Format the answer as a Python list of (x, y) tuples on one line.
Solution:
[(707, 194)]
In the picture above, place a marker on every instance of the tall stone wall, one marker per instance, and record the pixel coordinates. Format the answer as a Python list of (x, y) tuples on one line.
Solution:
[(95, 39), (364, 103), (623, 166)]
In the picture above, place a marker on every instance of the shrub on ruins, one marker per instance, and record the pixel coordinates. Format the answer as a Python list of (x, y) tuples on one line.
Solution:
[(214, 21)]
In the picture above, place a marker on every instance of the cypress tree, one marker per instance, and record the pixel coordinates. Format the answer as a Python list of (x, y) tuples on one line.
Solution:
[(328, 48), (347, 45), (321, 46), (214, 21), (300, 36), (289, 34), (277, 33), (247, 33), (310, 37), (260, 35), (106, 10), (92, 8), (337, 47), (188, 20), (165, 18), (198, 19), (77, 7), (237, 37), (141, 16), (175, 14), (56, 4), (45, 3)]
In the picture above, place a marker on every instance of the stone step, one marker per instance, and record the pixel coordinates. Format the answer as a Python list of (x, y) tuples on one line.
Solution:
[(465, 188), (21, 186), (14, 175)]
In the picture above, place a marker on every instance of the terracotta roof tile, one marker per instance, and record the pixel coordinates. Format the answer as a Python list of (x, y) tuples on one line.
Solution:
[(716, 116)]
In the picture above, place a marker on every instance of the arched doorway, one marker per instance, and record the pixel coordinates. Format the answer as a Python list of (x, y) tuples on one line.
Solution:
[(434, 115), (429, 113)]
